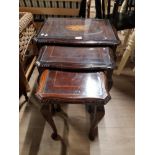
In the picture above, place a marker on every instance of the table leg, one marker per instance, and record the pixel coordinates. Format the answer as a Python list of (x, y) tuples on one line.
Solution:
[(57, 107), (109, 74), (48, 112), (96, 116)]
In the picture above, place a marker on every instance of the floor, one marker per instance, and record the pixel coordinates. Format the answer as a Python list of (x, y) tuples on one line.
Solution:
[(116, 131)]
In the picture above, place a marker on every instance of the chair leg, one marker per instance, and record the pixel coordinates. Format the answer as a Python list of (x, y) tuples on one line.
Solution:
[(109, 74), (126, 37), (88, 8), (126, 34), (126, 54), (123, 7), (96, 116)]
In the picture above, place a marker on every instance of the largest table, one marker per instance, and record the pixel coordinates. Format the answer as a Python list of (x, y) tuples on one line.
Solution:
[(77, 32)]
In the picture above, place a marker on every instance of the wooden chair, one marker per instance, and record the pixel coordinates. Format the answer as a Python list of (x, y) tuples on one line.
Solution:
[(41, 9), (123, 20), (121, 13)]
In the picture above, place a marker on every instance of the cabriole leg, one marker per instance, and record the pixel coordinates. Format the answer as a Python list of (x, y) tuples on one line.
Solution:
[(47, 113), (98, 114)]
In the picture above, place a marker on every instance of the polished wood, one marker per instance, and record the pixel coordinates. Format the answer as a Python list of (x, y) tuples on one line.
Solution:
[(78, 88), (62, 38), (95, 118), (75, 58), (73, 87), (77, 32), (116, 130), (48, 112), (109, 73)]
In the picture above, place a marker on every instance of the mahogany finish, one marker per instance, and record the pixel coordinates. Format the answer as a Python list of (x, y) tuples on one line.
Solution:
[(75, 58), (78, 88), (77, 32), (83, 48), (59, 86)]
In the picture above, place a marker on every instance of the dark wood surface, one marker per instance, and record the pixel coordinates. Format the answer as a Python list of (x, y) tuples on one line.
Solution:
[(61, 87), (73, 87), (75, 58), (77, 32), (58, 87)]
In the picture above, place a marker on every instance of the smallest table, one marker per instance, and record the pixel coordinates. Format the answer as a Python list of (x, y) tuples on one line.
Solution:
[(78, 88)]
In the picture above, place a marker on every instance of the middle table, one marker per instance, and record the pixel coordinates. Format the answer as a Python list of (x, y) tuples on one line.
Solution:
[(75, 58)]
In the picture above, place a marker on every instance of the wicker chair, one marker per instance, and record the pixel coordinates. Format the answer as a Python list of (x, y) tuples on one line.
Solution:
[(26, 53)]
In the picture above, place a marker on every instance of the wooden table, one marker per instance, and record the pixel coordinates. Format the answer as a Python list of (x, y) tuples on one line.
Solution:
[(76, 62), (78, 88), (77, 32), (75, 58)]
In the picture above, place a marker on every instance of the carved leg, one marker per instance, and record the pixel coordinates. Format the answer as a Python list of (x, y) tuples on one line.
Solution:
[(90, 108), (109, 74), (26, 97), (57, 108), (98, 114), (47, 112)]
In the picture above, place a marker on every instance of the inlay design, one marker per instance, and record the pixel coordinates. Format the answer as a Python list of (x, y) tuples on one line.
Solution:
[(77, 31), (77, 27)]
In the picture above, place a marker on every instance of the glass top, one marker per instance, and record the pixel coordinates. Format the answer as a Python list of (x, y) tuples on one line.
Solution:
[(77, 29)]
